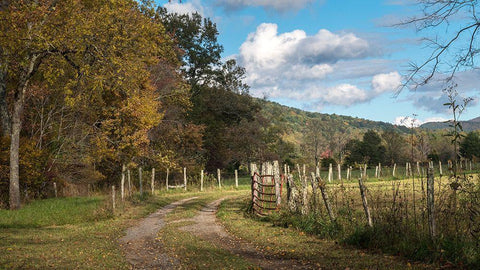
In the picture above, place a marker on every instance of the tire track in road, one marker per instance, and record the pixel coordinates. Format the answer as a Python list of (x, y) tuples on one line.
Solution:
[(141, 248)]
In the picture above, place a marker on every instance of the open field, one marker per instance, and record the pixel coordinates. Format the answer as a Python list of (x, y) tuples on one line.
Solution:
[(83, 232)]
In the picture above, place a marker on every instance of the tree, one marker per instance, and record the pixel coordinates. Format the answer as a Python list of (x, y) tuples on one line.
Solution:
[(394, 146), (219, 98), (369, 151), (354, 152), (99, 50), (199, 49), (314, 140), (454, 49), (470, 146), (373, 148)]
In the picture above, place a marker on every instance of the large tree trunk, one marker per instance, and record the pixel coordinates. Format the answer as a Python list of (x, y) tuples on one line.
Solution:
[(16, 121), (14, 152)]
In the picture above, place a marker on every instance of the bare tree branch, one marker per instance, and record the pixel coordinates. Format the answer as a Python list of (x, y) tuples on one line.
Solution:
[(462, 41)]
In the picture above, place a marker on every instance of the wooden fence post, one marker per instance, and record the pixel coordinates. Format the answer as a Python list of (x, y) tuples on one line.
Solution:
[(431, 203), (185, 178), (201, 180), (365, 175), (129, 183), (113, 199), (236, 178), (299, 173), (304, 194), (376, 171), (291, 194), (304, 171), (379, 170), (153, 181), (365, 203), (406, 169), (219, 178), (394, 168), (55, 189), (166, 179), (418, 169), (440, 167), (140, 180), (339, 168), (325, 199), (330, 173), (276, 176), (122, 183), (313, 181)]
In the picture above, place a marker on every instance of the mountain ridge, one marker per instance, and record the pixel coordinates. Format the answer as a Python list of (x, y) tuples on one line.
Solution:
[(468, 125), (296, 119)]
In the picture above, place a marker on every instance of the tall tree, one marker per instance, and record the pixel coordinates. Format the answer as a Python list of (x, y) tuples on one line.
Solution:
[(199, 49), (394, 146), (99, 49), (220, 99), (470, 146), (315, 142), (370, 150)]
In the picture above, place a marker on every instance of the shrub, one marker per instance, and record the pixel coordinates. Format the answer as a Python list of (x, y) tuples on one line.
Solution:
[(36, 171)]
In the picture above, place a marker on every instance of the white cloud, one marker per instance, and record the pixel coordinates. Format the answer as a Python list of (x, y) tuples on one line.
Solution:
[(407, 121), (278, 5), (317, 70), (345, 94), (386, 82), (185, 8), (271, 58), (435, 119), (266, 48)]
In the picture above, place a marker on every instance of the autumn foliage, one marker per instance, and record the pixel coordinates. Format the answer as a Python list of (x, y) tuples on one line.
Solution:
[(87, 86)]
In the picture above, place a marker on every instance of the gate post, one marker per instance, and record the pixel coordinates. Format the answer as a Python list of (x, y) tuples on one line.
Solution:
[(278, 181)]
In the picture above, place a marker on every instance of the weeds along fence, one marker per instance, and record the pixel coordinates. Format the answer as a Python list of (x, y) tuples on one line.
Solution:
[(152, 180), (396, 171), (426, 208)]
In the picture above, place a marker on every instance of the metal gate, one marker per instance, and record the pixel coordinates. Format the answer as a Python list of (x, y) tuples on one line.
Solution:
[(266, 193)]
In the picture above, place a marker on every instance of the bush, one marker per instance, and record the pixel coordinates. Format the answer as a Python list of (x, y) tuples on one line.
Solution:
[(36, 171)]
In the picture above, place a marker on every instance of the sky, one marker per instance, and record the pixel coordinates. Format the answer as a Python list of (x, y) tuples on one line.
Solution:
[(338, 57)]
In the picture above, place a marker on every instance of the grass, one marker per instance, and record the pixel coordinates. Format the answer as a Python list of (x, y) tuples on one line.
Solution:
[(82, 233), (399, 227), (293, 243), (71, 233), (191, 251), (53, 212)]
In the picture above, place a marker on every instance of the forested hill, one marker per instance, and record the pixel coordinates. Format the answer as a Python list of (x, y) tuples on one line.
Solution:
[(470, 125), (294, 120)]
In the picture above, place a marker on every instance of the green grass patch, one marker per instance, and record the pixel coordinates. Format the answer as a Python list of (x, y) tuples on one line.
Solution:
[(53, 212), (72, 233), (291, 242)]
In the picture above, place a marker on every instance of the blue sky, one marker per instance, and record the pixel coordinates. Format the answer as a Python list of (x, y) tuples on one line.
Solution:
[(331, 56)]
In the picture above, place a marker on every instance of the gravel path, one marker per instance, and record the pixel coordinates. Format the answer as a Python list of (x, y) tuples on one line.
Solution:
[(207, 228), (141, 248)]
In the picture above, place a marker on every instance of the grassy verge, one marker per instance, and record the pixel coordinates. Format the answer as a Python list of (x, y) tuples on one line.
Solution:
[(290, 242), (71, 233)]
